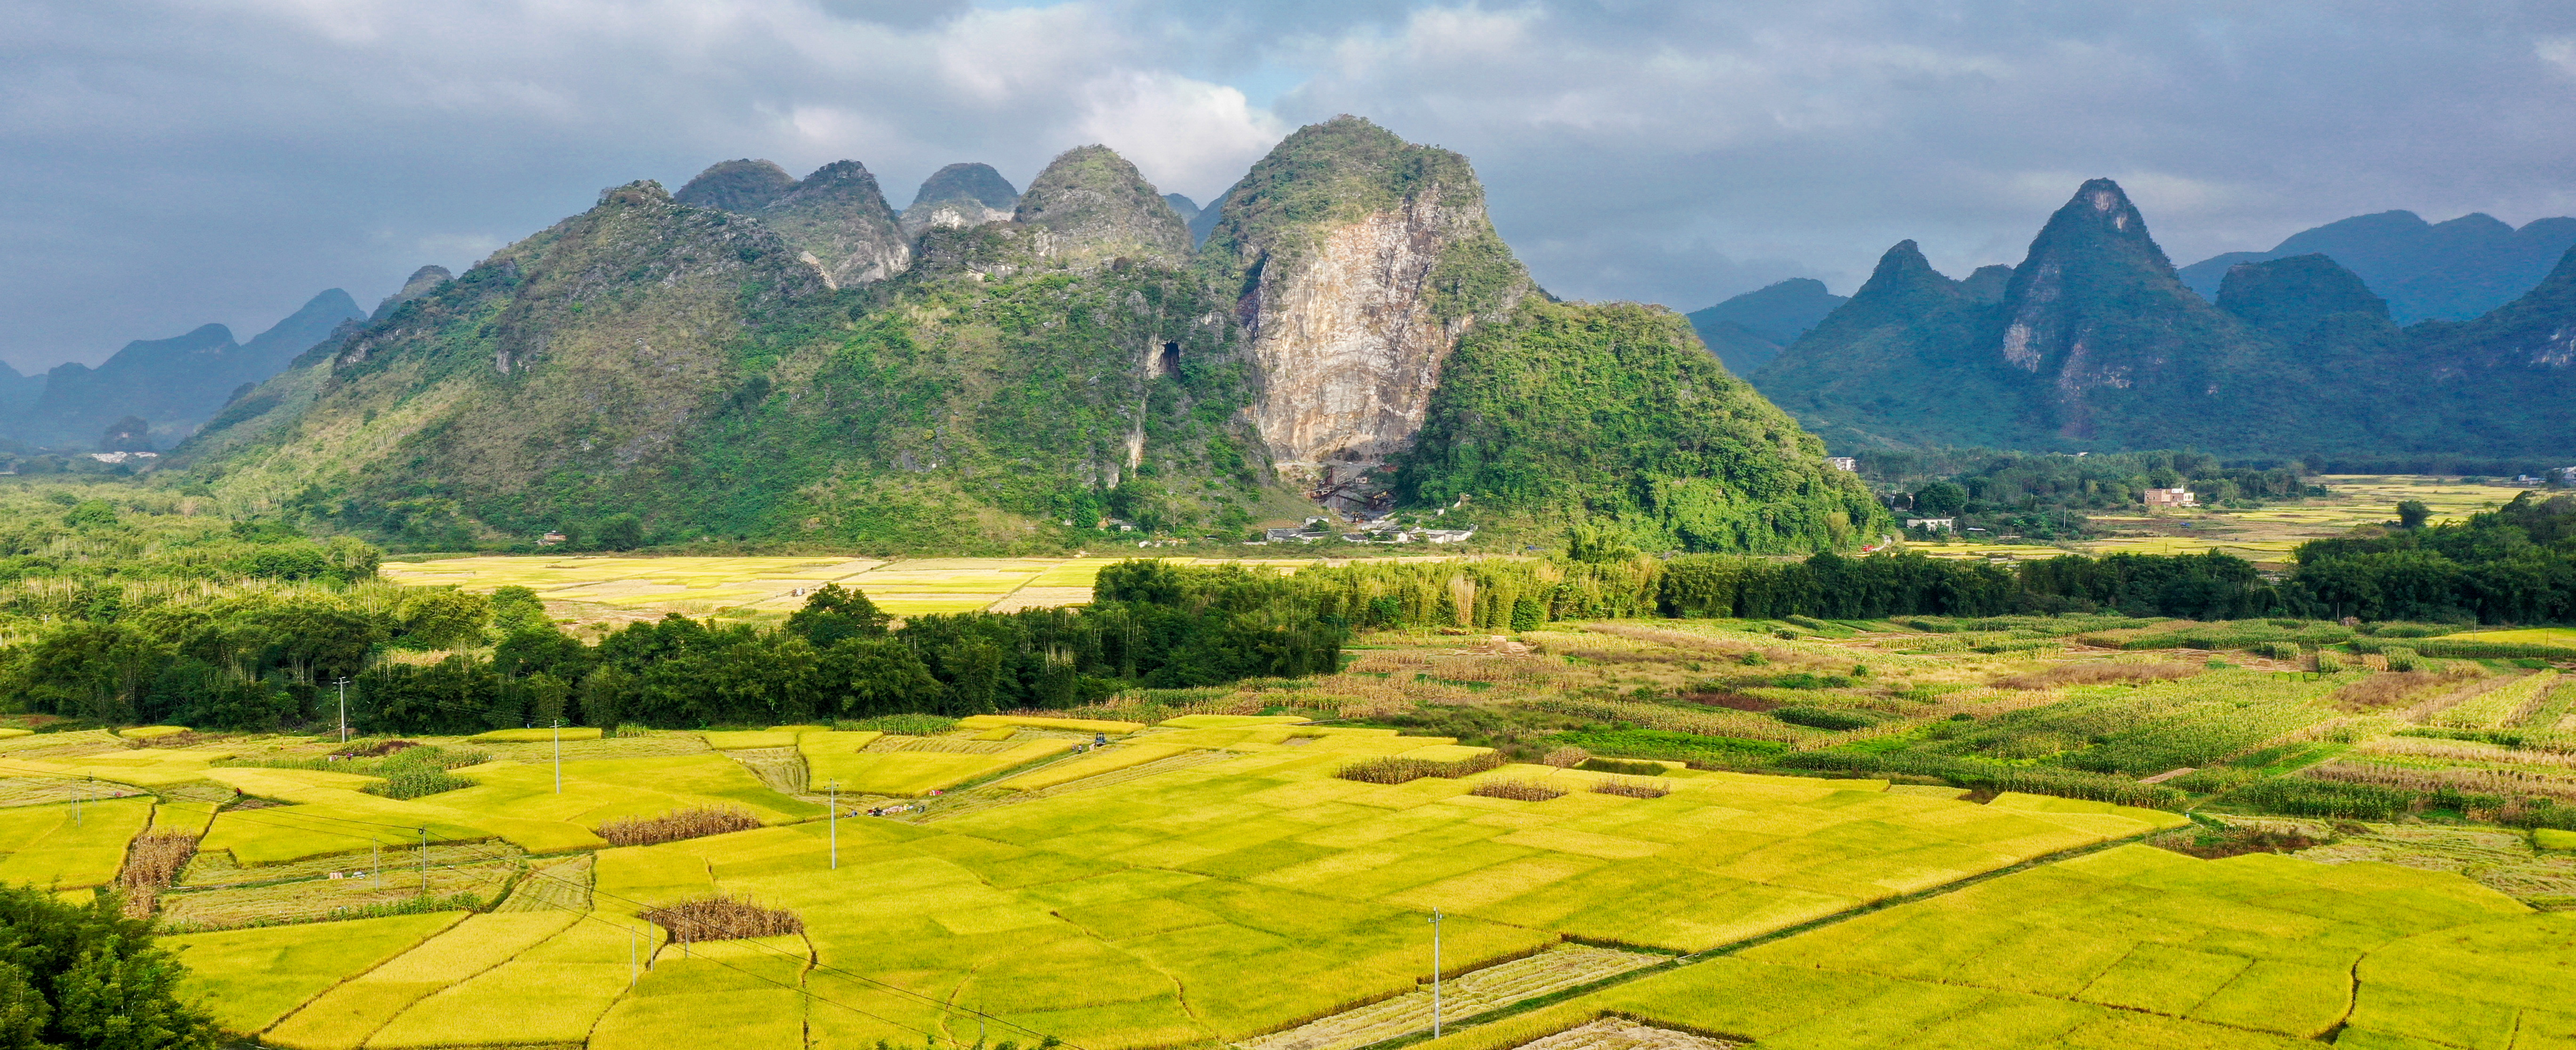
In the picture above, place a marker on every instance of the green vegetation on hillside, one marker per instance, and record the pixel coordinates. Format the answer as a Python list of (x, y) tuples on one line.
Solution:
[(1614, 412)]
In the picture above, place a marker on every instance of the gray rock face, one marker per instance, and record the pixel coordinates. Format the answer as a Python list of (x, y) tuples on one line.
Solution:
[(737, 186), (960, 195), (1092, 206), (1364, 259), (839, 218)]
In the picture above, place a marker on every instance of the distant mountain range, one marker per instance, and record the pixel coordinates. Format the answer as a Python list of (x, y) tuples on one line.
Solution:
[(2095, 342), (2447, 271), (1749, 330), (172, 384)]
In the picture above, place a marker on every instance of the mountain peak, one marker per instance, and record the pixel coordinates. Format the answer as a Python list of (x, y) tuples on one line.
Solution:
[(2287, 297), (839, 218), (421, 282), (737, 185), (960, 195), (1097, 205)]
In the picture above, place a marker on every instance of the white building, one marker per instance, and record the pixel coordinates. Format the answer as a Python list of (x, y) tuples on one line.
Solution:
[(1844, 463), (2170, 498), (1934, 524)]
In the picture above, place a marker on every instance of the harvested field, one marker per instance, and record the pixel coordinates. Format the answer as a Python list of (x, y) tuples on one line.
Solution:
[(562, 885), (1463, 996), (325, 899), (1618, 1033), (2098, 673)]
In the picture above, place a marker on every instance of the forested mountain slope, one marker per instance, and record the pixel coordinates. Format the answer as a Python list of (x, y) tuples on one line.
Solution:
[(756, 366)]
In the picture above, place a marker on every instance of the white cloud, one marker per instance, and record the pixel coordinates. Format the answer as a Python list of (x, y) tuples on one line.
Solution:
[(1187, 136), (1667, 149)]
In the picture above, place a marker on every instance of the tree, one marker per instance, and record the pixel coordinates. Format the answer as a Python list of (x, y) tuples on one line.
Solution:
[(833, 613), (621, 532), (1940, 499), (517, 609), (2412, 514), (77, 977)]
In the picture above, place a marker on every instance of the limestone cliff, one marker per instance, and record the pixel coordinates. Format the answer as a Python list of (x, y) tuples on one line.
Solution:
[(960, 195), (1093, 207), (1359, 260), (839, 218)]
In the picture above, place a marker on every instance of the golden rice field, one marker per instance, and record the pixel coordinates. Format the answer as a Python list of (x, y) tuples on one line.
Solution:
[(611, 587), (1206, 879), (2267, 534)]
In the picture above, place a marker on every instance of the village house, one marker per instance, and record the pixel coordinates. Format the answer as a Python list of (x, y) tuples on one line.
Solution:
[(2170, 498)]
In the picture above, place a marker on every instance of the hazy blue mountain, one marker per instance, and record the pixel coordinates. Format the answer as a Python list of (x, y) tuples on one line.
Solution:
[(17, 391), (173, 384), (1749, 330), (2449, 271)]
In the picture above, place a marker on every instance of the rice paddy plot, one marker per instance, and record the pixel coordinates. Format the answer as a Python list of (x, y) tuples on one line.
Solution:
[(2132, 946), (351, 1013), (252, 977), (317, 899), (56, 848), (514, 802)]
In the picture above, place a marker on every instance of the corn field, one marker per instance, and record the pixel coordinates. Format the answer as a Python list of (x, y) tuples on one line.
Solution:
[(722, 918), (676, 825), (1520, 790)]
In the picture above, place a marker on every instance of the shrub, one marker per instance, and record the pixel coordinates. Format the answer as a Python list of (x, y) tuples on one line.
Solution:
[(901, 725), (1522, 790), (1987, 776), (1613, 765), (1753, 659), (676, 825), (83, 976), (1822, 717), (722, 918), (1631, 789), (1403, 770), (2305, 797)]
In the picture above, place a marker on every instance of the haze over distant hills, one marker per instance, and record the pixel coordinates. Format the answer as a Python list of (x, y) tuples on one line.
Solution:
[(172, 384), (2447, 271)]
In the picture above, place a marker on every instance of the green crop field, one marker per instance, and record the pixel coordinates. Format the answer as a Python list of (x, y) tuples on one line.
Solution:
[(1827, 835)]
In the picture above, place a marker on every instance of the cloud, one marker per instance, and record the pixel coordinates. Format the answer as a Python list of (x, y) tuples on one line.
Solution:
[(174, 162)]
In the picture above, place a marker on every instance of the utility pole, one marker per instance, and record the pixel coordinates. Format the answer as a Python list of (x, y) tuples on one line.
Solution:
[(634, 969), (343, 683), (832, 825), (424, 862), (79, 791), (1435, 973), (376, 853), (558, 756)]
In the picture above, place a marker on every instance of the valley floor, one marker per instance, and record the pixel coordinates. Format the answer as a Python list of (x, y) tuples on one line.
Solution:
[(1638, 834)]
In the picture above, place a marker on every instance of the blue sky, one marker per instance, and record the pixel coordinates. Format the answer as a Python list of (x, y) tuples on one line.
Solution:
[(174, 162)]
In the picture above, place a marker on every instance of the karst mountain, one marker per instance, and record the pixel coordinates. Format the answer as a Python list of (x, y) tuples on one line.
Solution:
[(763, 357), (2094, 342)]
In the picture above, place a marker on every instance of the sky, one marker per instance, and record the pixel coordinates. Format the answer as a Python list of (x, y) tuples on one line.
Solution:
[(170, 163)]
